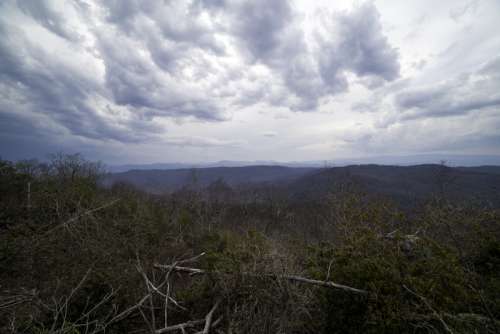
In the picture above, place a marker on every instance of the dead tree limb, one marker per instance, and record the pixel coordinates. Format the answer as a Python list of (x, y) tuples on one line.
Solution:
[(329, 284), (192, 271), (181, 327), (193, 323), (75, 218), (214, 324), (435, 313), (208, 318), (125, 313)]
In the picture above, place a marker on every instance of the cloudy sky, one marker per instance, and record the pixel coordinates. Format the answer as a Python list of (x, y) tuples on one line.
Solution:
[(130, 81)]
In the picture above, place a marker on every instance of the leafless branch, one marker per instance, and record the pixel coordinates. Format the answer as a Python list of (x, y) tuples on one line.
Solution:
[(125, 313), (214, 324), (435, 313), (75, 218), (181, 327), (208, 318), (196, 271)]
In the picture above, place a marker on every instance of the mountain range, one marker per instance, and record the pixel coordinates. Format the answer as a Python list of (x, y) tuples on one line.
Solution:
[(405, 184), (405, 160)]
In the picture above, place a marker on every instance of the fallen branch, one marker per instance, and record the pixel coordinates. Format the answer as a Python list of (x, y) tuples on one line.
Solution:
[(181, 327), (471, 317), (214, 324), (125, 313), (75, 218), (192, 271), (193, 323), (329, 284), (208, 318), (434, 312), (13, 300)]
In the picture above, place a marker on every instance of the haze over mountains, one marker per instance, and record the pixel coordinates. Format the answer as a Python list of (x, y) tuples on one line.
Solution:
[(405, 184), (165, 181), (451, 160)]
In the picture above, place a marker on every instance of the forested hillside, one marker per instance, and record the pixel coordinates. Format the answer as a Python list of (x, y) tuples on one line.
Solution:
[(158, 181), (407, 185), (79, 258)]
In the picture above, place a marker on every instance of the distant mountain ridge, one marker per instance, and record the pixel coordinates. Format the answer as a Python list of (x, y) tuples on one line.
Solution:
[(222, 163), (402, 183), (405, 183), (163, 181), (406, 160)]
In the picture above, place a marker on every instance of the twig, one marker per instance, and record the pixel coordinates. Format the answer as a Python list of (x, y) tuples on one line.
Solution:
[(329, 268), (9, 301), (147, 321), (192, 259)]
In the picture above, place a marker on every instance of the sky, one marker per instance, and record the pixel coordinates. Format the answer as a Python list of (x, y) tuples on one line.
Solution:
[(130, 81)]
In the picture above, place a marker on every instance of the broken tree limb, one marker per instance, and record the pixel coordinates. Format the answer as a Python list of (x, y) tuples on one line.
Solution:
[(181, 269), (125, 313), (434, 312), (329, 284), (214, 324), (181, 327), (193, 323), (208, 318), (192, 259), (75, 218)]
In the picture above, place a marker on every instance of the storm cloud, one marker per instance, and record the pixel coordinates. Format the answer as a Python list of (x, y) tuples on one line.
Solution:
[(169, 75), (467, 92)]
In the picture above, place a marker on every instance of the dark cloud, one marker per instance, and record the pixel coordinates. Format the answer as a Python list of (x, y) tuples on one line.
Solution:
[(474, 141), (136, 82), (261, 26), (47, 16), (46, 87), (349, 42), (177, 21), (146, 54), (267, 32), (457, 96), (22, 136), (194, 141), (115, 71), (355, 42), (210, 4), (68, 99), (44, 84), (169, 34)]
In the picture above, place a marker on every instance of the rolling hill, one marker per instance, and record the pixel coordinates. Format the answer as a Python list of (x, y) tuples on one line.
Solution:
[(405, 184), (166, 181)]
